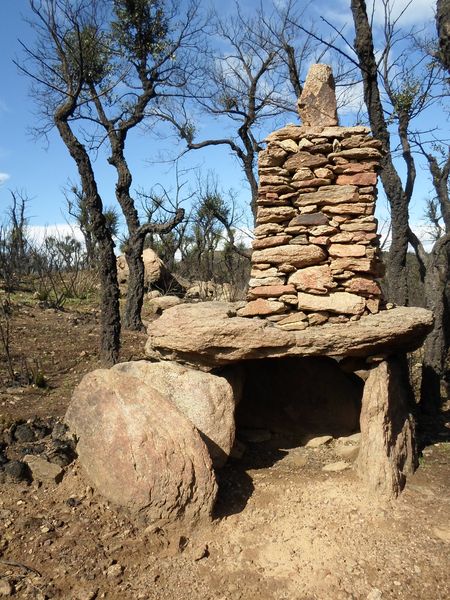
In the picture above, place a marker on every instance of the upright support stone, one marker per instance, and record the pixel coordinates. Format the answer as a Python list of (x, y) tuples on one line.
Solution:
[(317, 104), (388, 453)]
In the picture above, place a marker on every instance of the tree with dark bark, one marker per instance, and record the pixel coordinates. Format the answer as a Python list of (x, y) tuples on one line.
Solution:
[(77, 208), (435, 271), (151, 48), (409, 90), (124, 54), (59, 75)]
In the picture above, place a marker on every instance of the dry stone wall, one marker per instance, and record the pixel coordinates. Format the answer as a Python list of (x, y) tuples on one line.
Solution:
[(316, 251)]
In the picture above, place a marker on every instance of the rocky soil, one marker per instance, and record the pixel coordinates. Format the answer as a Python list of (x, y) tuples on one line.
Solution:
[(284, 527)]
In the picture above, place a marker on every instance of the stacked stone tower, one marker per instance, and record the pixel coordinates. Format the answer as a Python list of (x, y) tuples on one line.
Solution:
[(316, 253)]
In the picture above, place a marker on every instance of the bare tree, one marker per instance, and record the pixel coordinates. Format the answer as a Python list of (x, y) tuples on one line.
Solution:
[(252, 76), (77, 208), (59, 75), (153, 50), (14, 255), (435, 271), (410, 88)]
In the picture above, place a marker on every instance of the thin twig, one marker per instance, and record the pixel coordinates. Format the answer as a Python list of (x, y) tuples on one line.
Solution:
[(11, 563)]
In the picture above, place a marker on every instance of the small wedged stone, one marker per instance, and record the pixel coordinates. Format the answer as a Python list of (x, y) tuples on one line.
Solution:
[(262, 281), (310, 183), (272, 157), (363, 285), (303, 174), (362, 265), (310, 219), (358, 153), (276, 214), (355, 208), (346, 250), (269, 291), (268, 229), (357, 179), (288, 145), (261, 307), (310, 279), (331, 194), (359, 225), (290, 131), (269, 242)]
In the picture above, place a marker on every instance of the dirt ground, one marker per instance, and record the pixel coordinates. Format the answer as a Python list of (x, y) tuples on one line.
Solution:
[(283, 529)]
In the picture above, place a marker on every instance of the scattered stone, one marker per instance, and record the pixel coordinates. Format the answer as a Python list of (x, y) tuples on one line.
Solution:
[(336, 466), (321, 440), (155, 272), (355, 438), (158, 304), (16, 471), (24, 433), (114, 571), (43, 471), (442, 532), (349, 453), (6, 589), (238, 450)]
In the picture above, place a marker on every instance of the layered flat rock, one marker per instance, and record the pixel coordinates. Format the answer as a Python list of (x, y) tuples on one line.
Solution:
[(210, 334)]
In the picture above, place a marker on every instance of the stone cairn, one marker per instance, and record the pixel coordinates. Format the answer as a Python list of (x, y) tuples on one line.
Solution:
[(316, 253)]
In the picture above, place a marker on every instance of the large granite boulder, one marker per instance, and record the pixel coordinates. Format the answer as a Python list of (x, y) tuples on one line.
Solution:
[(156, 274), (211, 335), (207, 400), (139, 450)]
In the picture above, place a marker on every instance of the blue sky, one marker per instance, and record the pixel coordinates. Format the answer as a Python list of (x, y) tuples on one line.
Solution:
[(42, 169)]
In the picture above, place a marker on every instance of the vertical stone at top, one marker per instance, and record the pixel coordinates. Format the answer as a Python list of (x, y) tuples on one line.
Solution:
[(317, 103)]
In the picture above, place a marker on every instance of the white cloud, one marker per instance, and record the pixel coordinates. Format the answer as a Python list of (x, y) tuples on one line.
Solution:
[(4, 177), (37, 233)]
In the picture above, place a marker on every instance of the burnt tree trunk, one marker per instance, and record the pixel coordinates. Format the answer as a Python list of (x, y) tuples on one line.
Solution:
[(436, 267), (135, 294), (436, 344), (398, 198), (109, 291)]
